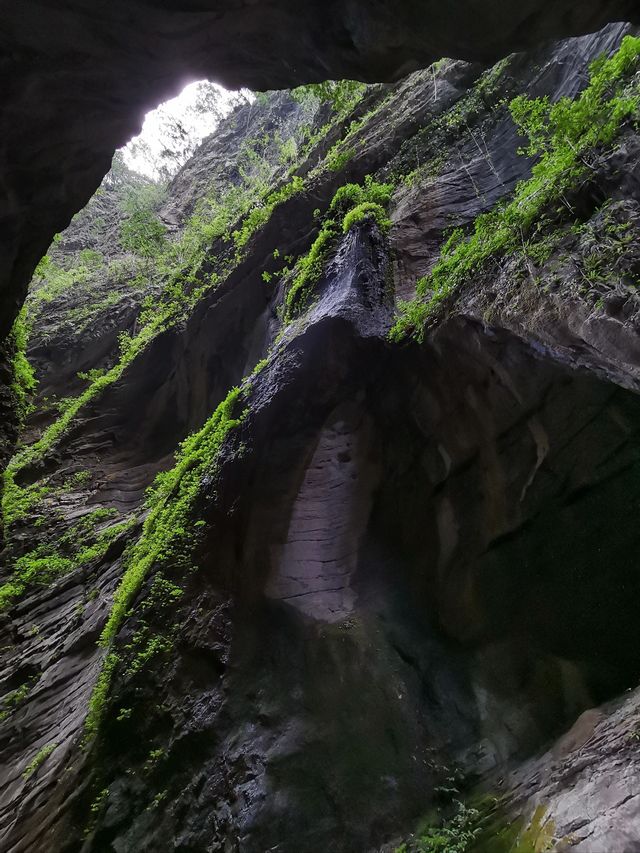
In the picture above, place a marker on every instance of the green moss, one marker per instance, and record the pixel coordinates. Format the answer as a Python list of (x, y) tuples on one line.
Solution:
[(23, 383), (309, 269), (562, 135), (18, 502), (13, 700), (39, 759), (29, 570), (338, 157), (168, 534), (261, 214), (367, 210), (369, 199), (80, 545), (100, 694)]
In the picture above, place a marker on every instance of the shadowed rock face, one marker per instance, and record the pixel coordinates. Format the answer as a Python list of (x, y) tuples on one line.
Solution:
[(403, 574), (77, 80), (416, 564)]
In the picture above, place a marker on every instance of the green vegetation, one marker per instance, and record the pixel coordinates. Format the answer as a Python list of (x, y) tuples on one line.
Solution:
[(338, 157), (155, 757), (367, 210), (146, 643), (424, 154), (180, 261), (454, 836), (148, 648), (158, 800), (484, 826), (563, 135), (18, 502), (100, 801), (289, 151), (52, 280), (13, 700), (24, 382), (167, 533), (39, 759), (343, 95), (350, 204), (79, 546), (143, 234), (100, 694), (261, 214), (309, 270)]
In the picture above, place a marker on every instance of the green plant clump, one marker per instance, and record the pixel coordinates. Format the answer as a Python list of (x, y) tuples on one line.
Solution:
[(17, 502), (167, 535), (343, 95), (562, 135), (39, 759), (12, 700), (100, 694), (368, 199), (261, 214), (367, 210), (455, 836), (24, 382), (45, 563)]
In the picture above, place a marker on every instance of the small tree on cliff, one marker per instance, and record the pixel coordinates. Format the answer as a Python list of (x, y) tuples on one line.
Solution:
[(142, 232)]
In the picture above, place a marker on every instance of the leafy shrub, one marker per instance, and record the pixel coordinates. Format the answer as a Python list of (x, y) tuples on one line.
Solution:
[(367, 210), (454, 836), (143, 233), (343, 95), (368, 199)]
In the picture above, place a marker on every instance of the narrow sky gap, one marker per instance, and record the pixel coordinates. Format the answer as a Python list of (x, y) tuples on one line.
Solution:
[(171, 132)]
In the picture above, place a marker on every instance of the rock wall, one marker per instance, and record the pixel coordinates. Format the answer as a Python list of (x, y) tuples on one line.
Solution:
[(407, 573), (77, 83)]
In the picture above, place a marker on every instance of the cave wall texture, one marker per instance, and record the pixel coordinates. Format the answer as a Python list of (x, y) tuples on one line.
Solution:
[(387, 576), (77, 80)]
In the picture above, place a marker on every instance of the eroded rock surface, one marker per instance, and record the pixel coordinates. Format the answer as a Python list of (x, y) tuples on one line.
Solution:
[(78, 82), (414, 566)]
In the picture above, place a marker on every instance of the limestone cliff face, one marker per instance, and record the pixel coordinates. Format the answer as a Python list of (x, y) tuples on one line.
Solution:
[(77, 82), (383, 577)]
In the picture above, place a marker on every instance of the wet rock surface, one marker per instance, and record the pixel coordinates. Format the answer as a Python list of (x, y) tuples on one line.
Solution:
[(416, 565), (78, 82)]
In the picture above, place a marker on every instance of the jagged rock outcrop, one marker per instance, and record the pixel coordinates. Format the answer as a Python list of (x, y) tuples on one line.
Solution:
[(77, 84), (384, 576)]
